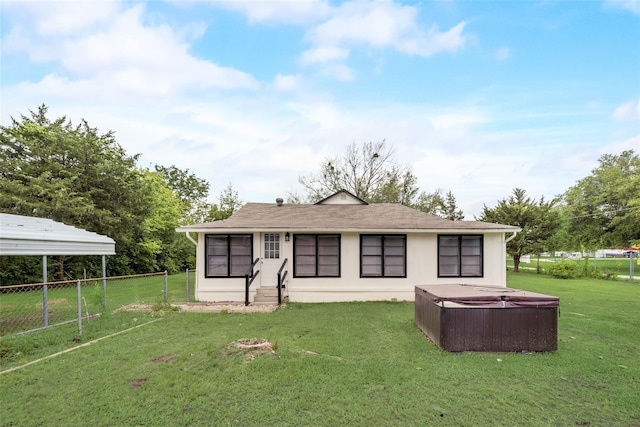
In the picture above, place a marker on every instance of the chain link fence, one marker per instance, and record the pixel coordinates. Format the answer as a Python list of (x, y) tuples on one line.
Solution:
[(30, 307)]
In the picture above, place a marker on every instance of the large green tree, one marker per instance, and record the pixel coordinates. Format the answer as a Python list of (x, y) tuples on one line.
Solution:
[(371, 172), (539, 221), (604, 208), (76, 175)]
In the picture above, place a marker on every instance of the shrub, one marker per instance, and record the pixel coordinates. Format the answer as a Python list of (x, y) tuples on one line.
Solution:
[(564, 270)]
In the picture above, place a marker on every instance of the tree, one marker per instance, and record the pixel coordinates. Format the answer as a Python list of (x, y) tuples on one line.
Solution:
[(450, 209), (430, 203), (76, 175), (191, 190), (159, 248), (368, 171), (228, 203), (604, 207), (539, 221)]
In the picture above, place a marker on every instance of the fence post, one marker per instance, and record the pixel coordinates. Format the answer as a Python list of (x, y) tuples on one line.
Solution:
[(631, 258), (166, 289), (188, 290), (79, 309), (45, 300)]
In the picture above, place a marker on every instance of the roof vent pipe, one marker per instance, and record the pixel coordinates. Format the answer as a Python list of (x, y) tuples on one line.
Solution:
[(279, 201)]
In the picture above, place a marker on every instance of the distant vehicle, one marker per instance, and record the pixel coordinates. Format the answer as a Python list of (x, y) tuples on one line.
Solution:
[(630, 254)]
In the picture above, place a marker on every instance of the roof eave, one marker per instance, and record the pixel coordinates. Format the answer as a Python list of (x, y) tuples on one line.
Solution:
[(452, 230)]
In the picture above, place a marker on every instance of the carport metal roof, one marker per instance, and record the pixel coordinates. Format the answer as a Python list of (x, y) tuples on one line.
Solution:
[(23, 235)]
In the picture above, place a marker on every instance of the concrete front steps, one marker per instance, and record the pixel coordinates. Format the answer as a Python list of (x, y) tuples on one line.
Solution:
[(266, 296)]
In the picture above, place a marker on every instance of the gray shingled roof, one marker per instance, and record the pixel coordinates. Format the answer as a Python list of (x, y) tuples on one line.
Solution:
[(382, 216)]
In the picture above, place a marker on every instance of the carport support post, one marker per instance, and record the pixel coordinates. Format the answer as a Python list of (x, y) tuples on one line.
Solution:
[(45, 301), (104, 283), (79, 309)]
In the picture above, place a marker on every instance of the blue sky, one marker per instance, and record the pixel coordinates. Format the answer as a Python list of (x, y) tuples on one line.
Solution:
[(478, 97)]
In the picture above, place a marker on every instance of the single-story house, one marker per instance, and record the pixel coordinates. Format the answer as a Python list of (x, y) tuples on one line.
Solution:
[(343, 249)]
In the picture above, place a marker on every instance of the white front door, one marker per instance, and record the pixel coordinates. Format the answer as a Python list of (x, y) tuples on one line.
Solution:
[(271, 258)]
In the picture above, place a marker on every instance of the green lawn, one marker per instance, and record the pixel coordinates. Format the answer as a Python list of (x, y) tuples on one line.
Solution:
[(21, 309), (333, 364)]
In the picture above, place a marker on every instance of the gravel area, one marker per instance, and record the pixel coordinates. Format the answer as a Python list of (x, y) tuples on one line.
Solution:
[(206, 307), (230, 307)]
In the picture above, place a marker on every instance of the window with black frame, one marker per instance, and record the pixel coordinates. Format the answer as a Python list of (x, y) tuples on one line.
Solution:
[(228, 255), (460, 256), (316, 255), (383, 255)]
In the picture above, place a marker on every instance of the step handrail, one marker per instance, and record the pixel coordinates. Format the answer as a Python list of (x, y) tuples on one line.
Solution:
[(281, 278), (249, 277)]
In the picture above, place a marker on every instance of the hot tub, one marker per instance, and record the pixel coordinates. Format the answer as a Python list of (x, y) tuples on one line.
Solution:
[(487, 318)]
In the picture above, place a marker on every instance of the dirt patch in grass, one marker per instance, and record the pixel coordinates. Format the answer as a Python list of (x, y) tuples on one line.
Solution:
[(138, 382), (248, 347), (198, 307), (163, 359)]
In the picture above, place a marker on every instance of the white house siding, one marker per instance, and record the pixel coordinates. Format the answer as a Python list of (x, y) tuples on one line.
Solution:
[(422, 269)]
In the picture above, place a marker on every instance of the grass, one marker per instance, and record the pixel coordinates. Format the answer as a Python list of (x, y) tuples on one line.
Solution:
[(333, 364), (22, 309)]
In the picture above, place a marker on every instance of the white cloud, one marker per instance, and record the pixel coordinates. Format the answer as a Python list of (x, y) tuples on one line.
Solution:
[(285, 83), (338, 72), (124, 54), (55, 18), (629, 111), (323, 54), (434, 41), (377, 24), (630, 5), (298, 12), (384, 25)]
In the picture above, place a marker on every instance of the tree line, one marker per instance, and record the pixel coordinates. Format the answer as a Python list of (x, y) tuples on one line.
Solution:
[(76, 175)]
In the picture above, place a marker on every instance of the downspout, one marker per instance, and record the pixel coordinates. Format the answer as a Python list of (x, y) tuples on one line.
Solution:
[(186, 233), (512, 236), (515, 233)]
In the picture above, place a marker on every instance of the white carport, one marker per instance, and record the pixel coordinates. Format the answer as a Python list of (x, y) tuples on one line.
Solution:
[(23, 235)]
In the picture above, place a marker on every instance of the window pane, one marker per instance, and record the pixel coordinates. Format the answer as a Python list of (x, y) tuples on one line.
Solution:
[(460, 255), (449, 266), (371, 270), (240, 265), (217, 256), (217, 245), (373, 242), (328, 266), (305, 245), (328, 256), (305, 265), (328, 245), (471, 266), (371, 256), (217, 265), (394, 271), (448, 241), (240, 255)]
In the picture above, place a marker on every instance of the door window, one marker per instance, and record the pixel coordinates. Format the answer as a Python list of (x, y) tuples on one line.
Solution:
[(272, 245)]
